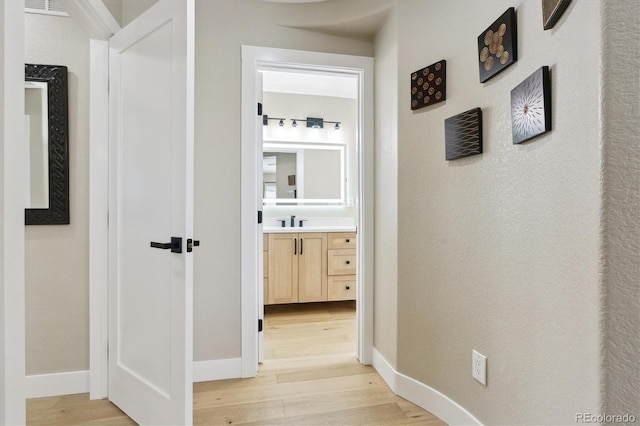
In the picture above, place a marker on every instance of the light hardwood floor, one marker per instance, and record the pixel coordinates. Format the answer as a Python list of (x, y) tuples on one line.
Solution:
[(310, 377)]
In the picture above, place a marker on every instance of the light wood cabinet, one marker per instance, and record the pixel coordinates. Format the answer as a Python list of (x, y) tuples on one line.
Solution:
[(297, 268), (312, 271), (341, 266), (309, 267)]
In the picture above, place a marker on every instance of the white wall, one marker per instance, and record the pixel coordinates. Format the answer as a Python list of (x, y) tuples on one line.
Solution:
[(386, 189), (57, 256), (500, 252), (222, 27), (330, 108)]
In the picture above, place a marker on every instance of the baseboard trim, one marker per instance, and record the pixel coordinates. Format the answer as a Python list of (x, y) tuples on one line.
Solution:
[(422, 395), (68, 383), (72, 382), (217, 369), (385, 370)]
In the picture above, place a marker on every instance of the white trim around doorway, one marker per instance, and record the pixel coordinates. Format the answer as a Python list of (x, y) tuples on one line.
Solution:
[(253, 60), (12, 243)]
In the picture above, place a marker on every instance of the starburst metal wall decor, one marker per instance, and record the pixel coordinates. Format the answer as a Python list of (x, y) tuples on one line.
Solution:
[(463, 134), (498, 45), (531, 106)]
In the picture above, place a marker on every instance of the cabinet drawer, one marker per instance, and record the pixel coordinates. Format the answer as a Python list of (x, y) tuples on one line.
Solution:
[(342, 240), (265, 241), (342, 262), (342, 288)]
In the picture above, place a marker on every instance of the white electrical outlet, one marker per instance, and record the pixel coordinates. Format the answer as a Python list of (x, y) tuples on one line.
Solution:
[(479, 367)]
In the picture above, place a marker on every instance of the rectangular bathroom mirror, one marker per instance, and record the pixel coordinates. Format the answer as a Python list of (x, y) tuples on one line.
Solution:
[(302, 173)]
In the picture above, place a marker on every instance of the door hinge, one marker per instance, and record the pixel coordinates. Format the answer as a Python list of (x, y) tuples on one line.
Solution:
[(259, 325), (259, 108), (259, 216)]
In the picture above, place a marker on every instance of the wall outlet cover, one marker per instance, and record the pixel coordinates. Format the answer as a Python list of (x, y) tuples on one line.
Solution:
[(479, 367)]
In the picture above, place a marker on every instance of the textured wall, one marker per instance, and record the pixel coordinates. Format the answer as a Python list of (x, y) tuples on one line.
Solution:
[(621, 196), (57, 256), (500, 252), (386, 190)]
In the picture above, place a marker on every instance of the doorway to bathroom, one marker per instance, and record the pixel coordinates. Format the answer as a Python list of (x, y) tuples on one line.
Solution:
[(308, 160), (310, 198)]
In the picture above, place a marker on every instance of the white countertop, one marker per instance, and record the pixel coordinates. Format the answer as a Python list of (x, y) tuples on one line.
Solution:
[(327, 228)]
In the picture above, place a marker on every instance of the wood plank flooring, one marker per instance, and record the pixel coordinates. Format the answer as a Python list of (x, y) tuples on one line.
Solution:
[(310, 377)]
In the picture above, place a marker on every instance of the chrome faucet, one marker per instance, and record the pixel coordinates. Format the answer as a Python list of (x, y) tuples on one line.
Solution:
[(293, 221)]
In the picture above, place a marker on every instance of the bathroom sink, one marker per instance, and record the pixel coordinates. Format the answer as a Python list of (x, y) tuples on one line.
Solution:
[(321, 228)]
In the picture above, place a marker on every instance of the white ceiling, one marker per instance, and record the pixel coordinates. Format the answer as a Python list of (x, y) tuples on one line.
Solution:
[(305, 83)]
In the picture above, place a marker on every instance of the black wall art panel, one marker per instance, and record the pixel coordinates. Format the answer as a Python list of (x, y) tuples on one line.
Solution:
[(429, 85), (463, 134), (498, 45), (552, 10)]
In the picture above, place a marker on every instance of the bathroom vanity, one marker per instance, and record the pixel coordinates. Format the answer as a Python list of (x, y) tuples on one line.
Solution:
[(309, 265)]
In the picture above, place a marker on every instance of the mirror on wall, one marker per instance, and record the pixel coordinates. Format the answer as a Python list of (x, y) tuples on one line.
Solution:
[(46, 145), (296, 173)]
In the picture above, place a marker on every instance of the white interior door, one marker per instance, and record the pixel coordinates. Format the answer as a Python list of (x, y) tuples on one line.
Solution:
[(151, 200)]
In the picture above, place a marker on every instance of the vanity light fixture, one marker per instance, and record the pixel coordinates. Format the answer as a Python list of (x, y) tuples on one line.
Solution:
[(315, 122), (337, 124), (266, 118)]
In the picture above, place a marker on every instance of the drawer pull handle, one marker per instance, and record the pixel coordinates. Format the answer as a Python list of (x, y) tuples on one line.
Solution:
[(347, 240), (348, 288), (348, 262)]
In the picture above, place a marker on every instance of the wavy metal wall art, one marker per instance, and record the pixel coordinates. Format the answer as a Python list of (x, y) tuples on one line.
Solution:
[(463, 134)]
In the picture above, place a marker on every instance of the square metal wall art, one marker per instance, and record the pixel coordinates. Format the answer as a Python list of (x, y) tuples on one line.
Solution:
[(531, 106), (429, 85), (463, 134), (498, 45), (552, 10)]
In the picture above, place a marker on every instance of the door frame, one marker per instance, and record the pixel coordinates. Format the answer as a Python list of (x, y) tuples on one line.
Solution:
[(12, 281), (253, 60)]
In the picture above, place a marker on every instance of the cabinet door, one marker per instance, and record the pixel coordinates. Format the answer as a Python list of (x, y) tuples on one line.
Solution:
[(312, 267), (283, 268)]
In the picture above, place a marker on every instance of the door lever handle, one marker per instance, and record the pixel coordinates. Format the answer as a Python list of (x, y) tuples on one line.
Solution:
[(175, 245)]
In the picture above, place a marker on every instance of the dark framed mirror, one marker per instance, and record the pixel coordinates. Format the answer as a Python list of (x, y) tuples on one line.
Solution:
[(47, 135)]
